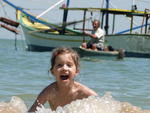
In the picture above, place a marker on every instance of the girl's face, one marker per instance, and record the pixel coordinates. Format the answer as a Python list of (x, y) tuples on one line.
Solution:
[(64, 68)]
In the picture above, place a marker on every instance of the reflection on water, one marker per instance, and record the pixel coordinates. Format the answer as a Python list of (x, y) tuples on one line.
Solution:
[(105, 104)]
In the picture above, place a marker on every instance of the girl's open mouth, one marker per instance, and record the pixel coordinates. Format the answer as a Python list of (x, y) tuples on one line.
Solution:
[(64, 77)]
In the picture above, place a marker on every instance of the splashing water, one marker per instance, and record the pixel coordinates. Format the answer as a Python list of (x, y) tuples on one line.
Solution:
[(105, 104), (16, 105)]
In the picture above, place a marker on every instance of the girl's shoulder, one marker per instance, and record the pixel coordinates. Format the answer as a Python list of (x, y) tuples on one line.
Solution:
[(84, 89), (51, 86)]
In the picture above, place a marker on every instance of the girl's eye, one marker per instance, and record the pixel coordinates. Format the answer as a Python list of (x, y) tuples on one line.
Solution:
[(59, 65), (69, 65)]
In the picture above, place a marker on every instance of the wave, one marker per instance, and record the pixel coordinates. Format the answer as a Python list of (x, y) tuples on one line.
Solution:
[(92, 104)]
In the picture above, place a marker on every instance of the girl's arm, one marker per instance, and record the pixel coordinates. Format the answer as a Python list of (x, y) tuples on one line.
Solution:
[(41, 99)]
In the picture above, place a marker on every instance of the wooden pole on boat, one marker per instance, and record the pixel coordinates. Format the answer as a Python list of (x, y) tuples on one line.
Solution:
[(9, 28), (131, 25), (9, 21), (113, 27), (146, 23), (143, 21), (142, 24), (84, 18), (65, 15), (102, 21), (75, 22), (107, 18)]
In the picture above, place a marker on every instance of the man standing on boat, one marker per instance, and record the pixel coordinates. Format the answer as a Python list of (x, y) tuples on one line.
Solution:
[(97, 37)]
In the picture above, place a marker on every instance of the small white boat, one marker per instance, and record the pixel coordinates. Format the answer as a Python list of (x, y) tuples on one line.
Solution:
[(103, 55)]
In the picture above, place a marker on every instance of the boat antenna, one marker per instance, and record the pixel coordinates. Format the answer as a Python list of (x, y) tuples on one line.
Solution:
[(50, 8), (133, 2)]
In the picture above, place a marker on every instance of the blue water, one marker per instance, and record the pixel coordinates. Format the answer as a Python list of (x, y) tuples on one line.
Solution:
[(25, 74)]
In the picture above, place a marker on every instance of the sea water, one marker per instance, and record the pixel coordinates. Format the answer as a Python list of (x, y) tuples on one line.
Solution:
[(123, 86)]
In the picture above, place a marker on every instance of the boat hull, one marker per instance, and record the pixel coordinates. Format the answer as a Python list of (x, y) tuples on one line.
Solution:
[(42, 41), (135, 45)]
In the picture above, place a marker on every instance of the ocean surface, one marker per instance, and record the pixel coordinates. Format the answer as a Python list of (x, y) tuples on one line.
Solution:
[(24, 74), (123, 86)]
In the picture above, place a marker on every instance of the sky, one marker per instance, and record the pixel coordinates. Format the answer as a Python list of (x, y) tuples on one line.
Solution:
[(55, 15)]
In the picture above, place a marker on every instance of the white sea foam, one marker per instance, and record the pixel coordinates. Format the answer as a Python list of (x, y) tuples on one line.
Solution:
[(16, 105), (105, 104)]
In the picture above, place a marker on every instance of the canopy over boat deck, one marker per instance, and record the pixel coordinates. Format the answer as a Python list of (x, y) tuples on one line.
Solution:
[(114, 11)]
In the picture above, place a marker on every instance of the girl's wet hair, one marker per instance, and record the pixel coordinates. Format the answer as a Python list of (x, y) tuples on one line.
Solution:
[(65, 50)]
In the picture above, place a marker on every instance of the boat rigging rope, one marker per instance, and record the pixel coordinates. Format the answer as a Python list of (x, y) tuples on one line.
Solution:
[(16, 42), (6, 15), (3, 8)]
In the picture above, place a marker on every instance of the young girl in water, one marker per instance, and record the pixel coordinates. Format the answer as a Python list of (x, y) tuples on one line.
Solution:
[(64, 67)]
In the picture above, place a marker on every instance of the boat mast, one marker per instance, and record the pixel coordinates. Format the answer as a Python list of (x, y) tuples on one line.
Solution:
[(65, 17), (107, 17), (132, 8)]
